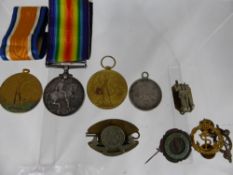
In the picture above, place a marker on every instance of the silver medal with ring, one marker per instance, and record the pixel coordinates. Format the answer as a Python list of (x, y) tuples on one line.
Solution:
[(145, 94), (64, 95)]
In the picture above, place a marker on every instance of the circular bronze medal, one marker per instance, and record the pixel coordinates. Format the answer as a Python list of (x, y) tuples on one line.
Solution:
[(64, 95), (107, 89), (175, 145), (145, 93), (20, 92)]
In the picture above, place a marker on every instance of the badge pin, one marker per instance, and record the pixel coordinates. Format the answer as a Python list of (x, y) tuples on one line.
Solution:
[(207, 139), (175, 146), (113, 137)]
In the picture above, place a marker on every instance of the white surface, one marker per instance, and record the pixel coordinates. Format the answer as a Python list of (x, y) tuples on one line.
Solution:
[(143, 35)]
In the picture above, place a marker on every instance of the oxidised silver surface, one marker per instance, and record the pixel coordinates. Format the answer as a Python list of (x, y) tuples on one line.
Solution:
[(64, 95), (145, 93), (112, 137)]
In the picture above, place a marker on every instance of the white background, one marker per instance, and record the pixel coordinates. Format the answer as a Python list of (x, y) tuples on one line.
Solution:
[(189, 40)]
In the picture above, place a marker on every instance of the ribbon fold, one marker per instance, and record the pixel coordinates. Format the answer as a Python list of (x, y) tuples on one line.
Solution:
[(25, 38)]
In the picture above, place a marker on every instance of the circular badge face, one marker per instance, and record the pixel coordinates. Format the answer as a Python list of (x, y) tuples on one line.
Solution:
[(20, 92), (63, 95), (176, 145), (112, 137), (107, 89), (145, 93)]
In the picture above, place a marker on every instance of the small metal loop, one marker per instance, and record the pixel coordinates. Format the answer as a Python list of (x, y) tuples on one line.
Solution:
[(138, 135), (108, 67), (145, 75), (26, 70), (66, 69)]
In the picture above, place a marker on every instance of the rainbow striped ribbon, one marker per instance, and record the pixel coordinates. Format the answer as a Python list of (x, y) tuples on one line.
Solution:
[(70, 29), (25, 38)]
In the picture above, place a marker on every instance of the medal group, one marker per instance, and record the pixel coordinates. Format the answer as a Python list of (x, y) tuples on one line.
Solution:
[(68, 45)]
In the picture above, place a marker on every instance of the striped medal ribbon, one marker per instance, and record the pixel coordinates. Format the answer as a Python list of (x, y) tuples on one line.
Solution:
[(70, 29), (70, 24), (25, 38)]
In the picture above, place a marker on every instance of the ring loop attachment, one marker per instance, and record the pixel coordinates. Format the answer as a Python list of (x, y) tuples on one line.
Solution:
[(136, 135), (25, 70), (108, 67), (145, 75)]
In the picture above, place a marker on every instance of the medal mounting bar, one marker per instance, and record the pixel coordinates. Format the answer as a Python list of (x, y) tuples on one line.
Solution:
[(81, 64)]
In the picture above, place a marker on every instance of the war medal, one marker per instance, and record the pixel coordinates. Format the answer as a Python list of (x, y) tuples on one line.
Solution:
[(182, 97), (20, 92), (113, 137), (175, 146), (69, 47), (64, 95), (145, 93), (107, 89)]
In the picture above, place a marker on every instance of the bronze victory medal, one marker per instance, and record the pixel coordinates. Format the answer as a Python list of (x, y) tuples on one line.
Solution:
[(107, 89), (145, 93), (64, 95), (20, 92)]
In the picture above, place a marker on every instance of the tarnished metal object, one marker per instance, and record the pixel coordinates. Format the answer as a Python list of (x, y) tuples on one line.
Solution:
[(107, 89), (64, 95), (20, 92), (182, 97), (211, 137), (175, 146), (113, 137), (227, 146), (145, 93)]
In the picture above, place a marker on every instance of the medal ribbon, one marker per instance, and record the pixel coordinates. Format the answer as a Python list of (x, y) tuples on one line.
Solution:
[(25, 38), (70, 29)]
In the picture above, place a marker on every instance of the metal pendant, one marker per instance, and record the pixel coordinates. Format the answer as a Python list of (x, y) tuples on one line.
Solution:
[(175, 146), (182, 97), (107, 89), (20, 92), (113, 137), (211, 137), (145, 93), (64, 95)]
